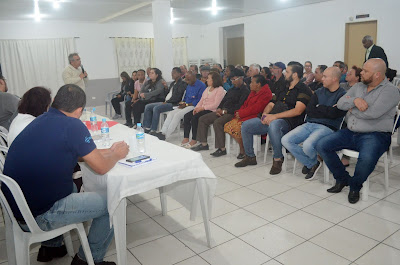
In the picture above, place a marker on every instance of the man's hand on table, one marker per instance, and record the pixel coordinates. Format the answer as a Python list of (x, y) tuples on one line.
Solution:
[(121, 149)]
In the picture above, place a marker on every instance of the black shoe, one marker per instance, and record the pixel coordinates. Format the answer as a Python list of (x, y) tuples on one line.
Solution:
[(200, 147), (160, 136), (48, 253), (218, 153), (147, 130), (354, 196), (78, 261), (305, 170), (241, 156), (313, 171), (247, 161), (276, 167), (129, 124), (337, 188)]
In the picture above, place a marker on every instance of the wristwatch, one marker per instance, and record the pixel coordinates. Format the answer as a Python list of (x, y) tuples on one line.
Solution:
[(224, 111), (187, 104)]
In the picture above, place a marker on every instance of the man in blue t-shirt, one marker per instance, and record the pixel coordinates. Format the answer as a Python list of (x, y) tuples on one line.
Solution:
[(42, 159)]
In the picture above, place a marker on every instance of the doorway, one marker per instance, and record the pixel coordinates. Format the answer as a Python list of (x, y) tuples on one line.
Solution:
[(233, 43), (354, 52)]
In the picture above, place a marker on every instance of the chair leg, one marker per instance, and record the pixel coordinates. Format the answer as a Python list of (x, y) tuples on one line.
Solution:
[(23, 252), (266, 149), (326, 173), (68, 244), (85, 244), (294, 166), (365, 190), (228, 143), (285, 158), (385, 159)]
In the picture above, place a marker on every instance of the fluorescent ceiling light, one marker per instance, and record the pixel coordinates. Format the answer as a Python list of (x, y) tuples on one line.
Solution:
[(37, 11), (56, 4), (214, 7), (172, 16)]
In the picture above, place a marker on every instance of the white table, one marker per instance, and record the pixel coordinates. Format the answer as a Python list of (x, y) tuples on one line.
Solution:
[(176, 172)]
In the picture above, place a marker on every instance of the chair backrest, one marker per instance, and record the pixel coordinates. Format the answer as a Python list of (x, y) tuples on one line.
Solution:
[(3, 153), (21, 203), (3, 130), (396, 120), (3, 139)]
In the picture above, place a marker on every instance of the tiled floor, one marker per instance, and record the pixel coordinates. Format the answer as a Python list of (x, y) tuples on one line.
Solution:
[(262, 219)]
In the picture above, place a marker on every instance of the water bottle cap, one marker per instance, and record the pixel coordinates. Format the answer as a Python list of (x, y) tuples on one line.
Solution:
[(139, 125), (94, 109), (104, 119)]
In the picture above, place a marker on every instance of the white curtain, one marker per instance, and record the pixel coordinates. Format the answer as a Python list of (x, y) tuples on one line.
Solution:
[(29, 63), (133, 54), (179, 48)]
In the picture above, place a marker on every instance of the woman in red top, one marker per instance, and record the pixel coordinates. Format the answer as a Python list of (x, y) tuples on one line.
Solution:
[(259, 97)]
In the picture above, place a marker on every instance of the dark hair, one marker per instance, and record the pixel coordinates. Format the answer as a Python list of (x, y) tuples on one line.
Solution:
[(127, 77), (134, 72), (308, 62), (322, 67), (357, 72), (245, 68), (260, 80), (195, 67), (69, 98), (141, 70), (216, 79), (291, 63), (158, 73), (35, 101), (267, 72), (341, 64), (177, 69), (297, 68), (231, 68), (215, 70)]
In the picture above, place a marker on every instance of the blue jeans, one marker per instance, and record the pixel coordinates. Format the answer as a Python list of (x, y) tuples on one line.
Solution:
[(152, 114), (77, 208), (275, 130), (370, 146), (308, 134)]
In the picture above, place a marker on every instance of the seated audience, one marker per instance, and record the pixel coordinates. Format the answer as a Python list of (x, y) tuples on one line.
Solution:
[(8, 105), (279, 82), (266, 73), (260, 95), (61, 136), (254, 69), (308, 76), (352, 77), (205, 70), (227, 77), (343, 69), (218, 66), (246, 71), (318, 78), (183, 70), (152, 91), (371, 106), (174, 95), (194, 91), (323, 118), (195, 70), (139, 83), (232, 101), (285, 112), (209, 102), (127, 89), (134, 76), (148, 69), (34, 103)]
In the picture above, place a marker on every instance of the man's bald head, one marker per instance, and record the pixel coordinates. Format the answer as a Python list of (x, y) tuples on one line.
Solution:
[(373, 72), (378, 65), (334, 72), (331, 77)]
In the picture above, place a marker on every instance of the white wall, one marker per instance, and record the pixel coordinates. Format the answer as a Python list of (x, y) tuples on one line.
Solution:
[(94, 44), (313, 32)]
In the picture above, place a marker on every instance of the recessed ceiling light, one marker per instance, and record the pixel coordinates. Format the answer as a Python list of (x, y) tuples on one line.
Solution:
[(56, 4)]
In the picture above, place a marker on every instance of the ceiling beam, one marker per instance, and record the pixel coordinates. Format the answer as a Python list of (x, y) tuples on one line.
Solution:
[(127, 10)]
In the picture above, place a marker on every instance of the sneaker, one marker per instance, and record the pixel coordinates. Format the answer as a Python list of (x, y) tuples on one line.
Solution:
[(117, 116), (48, 253), (247, 161), (146, 130), (129, 124), (276, 167), (313, 171), (218, 153), (78, 261), (160, 136), (200, 147), (241, 156), (305, 170)]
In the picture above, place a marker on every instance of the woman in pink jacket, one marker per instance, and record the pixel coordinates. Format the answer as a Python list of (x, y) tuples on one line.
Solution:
[(210, 100)]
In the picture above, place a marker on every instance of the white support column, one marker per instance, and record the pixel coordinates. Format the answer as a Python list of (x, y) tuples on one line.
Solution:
[(162, 28)]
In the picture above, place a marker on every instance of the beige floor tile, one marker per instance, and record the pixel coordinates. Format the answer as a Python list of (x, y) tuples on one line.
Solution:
[(330, 211), (297, 198), (382, 254), (270, 209), (269, 187), (242, 197)]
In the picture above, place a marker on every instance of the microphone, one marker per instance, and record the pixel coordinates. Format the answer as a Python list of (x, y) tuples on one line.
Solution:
[(83, 71)]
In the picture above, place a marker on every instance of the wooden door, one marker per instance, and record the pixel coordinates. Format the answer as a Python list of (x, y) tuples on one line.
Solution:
[(235, 51)]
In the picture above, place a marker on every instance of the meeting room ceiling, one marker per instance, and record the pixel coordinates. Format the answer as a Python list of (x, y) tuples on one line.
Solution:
[(107, 11)]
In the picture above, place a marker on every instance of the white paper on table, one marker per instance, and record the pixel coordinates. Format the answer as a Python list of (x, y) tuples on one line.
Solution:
[(123, 162)]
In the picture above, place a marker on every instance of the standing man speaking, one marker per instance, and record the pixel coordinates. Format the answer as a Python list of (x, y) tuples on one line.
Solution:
[(74, 72)]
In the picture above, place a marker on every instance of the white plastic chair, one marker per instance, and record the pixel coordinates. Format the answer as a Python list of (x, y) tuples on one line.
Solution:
[(109, 97), (19, 240), (3, 139), (3, 130), (3, 152)]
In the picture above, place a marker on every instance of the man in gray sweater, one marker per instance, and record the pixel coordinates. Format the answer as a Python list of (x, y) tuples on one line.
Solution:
[(8, 105), (371, 106)]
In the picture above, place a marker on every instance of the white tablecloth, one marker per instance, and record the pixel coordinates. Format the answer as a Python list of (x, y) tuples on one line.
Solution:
[(175, 169)]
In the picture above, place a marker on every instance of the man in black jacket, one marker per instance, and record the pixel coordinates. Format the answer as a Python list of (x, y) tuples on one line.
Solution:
[(174, 95), (373, 51), (233, 100), (323, 118)]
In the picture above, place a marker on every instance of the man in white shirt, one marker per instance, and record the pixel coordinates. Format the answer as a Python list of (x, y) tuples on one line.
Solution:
[(73, 73)]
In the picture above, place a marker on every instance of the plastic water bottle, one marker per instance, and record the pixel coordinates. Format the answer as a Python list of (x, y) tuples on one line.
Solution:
[(105, 133), (140, 142), (93, 122)]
